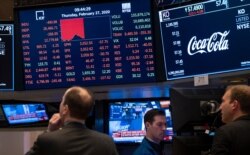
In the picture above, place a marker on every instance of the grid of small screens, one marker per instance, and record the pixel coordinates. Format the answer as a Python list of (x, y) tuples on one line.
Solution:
[(90, 44), (25, 113), (6, 56), (206, 38), (126, 119)]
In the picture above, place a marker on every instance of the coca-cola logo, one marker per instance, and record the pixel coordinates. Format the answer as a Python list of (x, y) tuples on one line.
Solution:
[(217, 42)]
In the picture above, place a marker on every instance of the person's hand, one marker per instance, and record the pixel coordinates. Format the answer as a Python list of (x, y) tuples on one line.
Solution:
[(55, 122)]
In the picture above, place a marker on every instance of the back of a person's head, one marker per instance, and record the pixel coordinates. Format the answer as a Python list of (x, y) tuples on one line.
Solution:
[(80, 102), (149, 116), (241, 93)]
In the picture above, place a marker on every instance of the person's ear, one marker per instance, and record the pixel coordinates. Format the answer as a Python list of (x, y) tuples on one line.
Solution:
[(235, 105), (65, 109), (147, 125)]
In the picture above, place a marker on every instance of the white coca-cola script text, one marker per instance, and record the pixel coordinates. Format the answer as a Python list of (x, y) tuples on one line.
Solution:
[(217, 42)]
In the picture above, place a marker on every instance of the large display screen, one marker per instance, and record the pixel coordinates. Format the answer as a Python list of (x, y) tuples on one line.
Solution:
[(6, 56), (25, 113), (206, 38), (87, 44), (126, 119)]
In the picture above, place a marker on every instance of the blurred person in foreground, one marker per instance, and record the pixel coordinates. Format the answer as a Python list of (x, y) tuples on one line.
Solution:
[(67, 133), (233, 138), (155, 125)]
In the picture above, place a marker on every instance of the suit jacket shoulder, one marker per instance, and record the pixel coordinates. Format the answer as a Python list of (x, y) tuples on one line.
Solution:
[(73, 140)]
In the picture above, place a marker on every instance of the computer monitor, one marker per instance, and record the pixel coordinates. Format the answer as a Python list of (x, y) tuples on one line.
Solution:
[(87, 44), (208, 37), (126, 119), (6, 55), (190, 108), (25, 113)]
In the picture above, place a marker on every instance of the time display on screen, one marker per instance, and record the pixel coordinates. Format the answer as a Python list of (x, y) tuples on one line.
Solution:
[(87, 44), (6, 56)]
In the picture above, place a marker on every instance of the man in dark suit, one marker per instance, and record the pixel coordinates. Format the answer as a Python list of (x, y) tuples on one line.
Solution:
[(234, 137), (155, 125), (67, 133)]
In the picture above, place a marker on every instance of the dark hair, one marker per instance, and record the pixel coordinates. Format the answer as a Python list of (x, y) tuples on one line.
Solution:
[(241, 93), (80, 102), (149, 116)]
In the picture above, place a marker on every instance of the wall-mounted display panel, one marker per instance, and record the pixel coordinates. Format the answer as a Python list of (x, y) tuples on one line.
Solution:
[(6, 55), (126, 119), (87, 44), (209, 37)]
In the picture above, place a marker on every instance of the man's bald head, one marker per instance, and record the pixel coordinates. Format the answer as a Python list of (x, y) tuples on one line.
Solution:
[(80, 102)]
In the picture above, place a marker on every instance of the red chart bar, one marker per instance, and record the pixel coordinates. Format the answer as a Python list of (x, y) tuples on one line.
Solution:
[(72, 29)]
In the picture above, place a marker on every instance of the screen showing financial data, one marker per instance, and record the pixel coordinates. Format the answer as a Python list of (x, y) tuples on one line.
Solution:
[(206, 38), (126, 119), (6, 56), (90, 44), (25, 113)]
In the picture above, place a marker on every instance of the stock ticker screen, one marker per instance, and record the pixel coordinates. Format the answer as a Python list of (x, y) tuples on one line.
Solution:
[(6, 56), (87, 44), (206, 38)]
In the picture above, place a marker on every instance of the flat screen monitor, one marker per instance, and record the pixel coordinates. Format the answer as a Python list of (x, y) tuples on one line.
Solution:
[(87, 44), (6, 55), (25, 113), (126, 119), (208, 37), (189, 113)]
